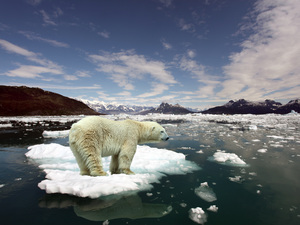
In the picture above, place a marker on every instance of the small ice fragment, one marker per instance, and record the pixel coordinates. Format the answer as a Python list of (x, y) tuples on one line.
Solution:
[(237, 179), (183, 205), (256, 140), (263, 150), (200, 152), (213, 208), (106, 222), (2, 185), (149, 194), (198, 215), (258, 192), (252, 127), (205, 192)]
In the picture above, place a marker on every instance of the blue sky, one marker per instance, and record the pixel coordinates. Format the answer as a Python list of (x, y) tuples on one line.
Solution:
[(197, 53)]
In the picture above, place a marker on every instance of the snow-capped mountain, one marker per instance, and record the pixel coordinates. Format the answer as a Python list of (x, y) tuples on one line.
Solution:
[(114, 108), (166, 108), (293, 105), (243, 106)]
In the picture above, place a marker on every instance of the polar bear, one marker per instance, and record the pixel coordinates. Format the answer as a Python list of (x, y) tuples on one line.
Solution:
[(94, 137)]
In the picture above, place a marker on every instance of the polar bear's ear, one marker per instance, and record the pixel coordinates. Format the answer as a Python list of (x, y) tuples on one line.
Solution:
[(153, 128)]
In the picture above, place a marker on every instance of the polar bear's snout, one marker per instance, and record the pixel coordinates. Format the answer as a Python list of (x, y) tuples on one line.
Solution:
[(164, 136)]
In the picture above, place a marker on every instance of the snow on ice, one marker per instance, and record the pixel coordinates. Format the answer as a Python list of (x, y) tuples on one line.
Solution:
[(228, 159), (62, 172)]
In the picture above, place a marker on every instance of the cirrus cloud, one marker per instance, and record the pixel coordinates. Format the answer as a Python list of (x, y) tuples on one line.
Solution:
[(268, 60), (125, 66)]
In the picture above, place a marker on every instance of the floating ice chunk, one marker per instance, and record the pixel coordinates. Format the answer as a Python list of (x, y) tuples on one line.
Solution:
[(62, 172), (56, 134), (5, 125), (198, 215), (213, 208), (237, 179), (252, 127), (263, 150), (183, 205), (229, 159), (2, 185), (205, 192)]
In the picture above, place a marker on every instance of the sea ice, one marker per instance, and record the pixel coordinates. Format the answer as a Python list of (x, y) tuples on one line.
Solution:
[(205, 192), (198, 215), (229, 159), (56, 134), (213, 208), (237, 179), (62, 172), (263, 150)]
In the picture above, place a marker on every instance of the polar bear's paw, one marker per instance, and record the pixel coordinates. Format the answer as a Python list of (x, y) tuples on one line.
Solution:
[(125, 171), (98, 173)]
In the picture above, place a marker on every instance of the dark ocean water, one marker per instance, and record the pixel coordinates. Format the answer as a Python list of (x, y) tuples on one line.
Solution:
[(265, 192)]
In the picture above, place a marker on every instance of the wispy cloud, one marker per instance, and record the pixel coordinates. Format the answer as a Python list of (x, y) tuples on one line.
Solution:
[(166, 3), (25, 71), (269, 58), (33, 36), (16, 49), (31, 56), (49, 19), (166, 45), (186, 26), (104, 34), (125, 66), (44, 66)]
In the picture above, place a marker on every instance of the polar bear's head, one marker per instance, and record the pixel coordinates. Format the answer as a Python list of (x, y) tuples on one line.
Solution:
[(156, 132)]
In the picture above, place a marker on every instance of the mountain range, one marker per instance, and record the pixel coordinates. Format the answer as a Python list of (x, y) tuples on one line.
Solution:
[(114, 108), (243, 106), (25, 101)]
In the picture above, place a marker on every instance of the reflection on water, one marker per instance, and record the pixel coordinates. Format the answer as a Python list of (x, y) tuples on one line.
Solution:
[(112, 207)]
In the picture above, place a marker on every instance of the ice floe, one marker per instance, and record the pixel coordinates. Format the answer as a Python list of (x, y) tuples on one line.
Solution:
[(62, 172), (205, 192), (213, 208), (263, 150), (198, 215), (56, 134), (229, 159)]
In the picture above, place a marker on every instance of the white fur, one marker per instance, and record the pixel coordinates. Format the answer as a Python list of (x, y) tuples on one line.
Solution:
[(94, 137)]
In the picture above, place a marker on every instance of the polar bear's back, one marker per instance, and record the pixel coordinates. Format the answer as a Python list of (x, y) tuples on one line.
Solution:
[(100, 125)]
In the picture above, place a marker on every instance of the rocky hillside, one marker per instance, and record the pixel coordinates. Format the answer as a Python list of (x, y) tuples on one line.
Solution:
[(25, 101), (243, 106)]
